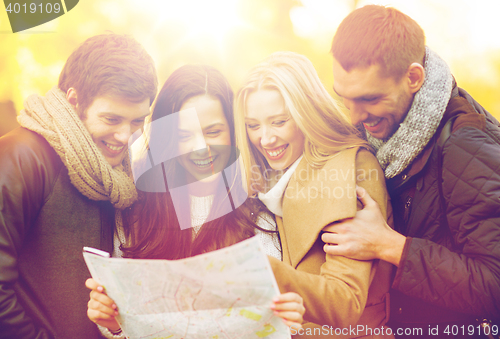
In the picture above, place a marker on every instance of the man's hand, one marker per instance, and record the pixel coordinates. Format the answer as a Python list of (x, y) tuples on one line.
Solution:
[(366, 236)]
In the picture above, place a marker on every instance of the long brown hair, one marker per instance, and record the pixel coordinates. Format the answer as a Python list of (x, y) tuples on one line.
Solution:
[(153, 224)]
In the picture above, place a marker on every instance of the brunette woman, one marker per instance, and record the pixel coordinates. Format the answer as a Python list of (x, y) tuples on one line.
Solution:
[(200, 207)]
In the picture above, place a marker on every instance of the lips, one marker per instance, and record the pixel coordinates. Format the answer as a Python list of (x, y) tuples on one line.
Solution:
[(372, 126), (276, 153), (113, 148), (203, 163)]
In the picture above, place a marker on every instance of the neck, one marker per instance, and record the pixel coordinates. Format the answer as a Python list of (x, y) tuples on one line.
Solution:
[(203, 189)]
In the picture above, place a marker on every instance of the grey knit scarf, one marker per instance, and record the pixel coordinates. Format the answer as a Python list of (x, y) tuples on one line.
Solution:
[(422, 120)]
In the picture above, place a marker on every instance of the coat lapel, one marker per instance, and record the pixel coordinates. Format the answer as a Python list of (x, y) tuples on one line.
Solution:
[(315, 198)]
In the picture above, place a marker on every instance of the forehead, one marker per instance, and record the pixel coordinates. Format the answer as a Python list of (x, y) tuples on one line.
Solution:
[(360, 82), (264, 103), (206, 109), (118, 106)]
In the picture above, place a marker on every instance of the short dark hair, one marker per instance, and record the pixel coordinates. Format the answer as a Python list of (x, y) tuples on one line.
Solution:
[(109, 64), (379, 35)]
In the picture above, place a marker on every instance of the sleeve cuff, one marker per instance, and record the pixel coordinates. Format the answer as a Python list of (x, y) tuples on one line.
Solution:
[(108, 334), (402, 263)]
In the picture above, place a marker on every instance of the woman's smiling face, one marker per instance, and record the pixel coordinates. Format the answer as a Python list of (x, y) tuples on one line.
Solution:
[(202, 155), (272, 130)]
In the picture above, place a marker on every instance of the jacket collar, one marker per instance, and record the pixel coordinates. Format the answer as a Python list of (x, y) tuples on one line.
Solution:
[(455, 106), (315, 198)]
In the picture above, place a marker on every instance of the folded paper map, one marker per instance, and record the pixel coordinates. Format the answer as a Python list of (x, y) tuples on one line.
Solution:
[(224, 294)]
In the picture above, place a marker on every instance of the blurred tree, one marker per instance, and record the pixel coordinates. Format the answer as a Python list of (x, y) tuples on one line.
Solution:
[(7, 117), (176, 33)]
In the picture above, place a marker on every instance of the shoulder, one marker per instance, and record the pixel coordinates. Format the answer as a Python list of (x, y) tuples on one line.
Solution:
[(343, 159), (22, 150), (354, 155), (370, 176), (368, 167), (471, 152), (474, 131), (357, 163), (470, 164), (21, 140), (27, 175), (468, 113), (365, 159), (361, 160)]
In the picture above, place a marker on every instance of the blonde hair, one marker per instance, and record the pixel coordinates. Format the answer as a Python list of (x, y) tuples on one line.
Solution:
[(326, 129)]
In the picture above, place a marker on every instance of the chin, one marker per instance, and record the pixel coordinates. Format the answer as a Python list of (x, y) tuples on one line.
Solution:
[(115, 162), (209, 179), (278, 167)]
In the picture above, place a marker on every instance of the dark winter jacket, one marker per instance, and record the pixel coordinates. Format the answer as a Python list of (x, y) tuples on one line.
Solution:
[(450, 267), (44, 224)]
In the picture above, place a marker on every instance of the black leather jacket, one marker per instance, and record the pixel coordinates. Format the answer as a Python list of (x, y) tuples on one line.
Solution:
[(44, 223), (450, 268)]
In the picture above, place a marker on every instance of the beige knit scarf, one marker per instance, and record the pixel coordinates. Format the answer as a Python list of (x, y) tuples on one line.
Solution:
[(54, 118)]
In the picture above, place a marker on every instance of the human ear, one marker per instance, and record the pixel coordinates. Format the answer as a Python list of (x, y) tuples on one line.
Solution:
[(72, 97), (415, 76)]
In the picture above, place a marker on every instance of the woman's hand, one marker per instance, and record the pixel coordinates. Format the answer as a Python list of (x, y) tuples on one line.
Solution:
[(290, 307), (101, 308)]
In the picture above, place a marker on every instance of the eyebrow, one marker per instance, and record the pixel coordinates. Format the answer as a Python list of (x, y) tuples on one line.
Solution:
[(286, 115), (208, 127), (361, 97), (214, 125), (114, 115)]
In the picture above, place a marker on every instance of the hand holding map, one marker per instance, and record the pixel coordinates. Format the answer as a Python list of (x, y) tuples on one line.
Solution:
[(221, 294)]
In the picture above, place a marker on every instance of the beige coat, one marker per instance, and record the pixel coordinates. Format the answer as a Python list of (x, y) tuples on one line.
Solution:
[(338, 293)]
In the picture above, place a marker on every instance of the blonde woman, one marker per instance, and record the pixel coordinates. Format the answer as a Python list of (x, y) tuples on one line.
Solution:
[(303, 159)]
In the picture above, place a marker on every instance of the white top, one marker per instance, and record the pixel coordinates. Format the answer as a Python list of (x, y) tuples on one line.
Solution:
[(200, 208), (273, 199)]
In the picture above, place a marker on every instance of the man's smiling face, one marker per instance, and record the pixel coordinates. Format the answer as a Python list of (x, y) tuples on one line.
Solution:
[(111, 121), (379, 103)]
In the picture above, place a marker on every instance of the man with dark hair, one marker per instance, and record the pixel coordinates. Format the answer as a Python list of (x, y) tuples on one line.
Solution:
[(440, 151), (63, 173)]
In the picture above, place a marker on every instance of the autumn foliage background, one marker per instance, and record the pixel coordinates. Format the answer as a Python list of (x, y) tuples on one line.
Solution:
[(233, 35)]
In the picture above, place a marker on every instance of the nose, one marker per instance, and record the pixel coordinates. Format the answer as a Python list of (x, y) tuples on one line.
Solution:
[(123, 133), (358, 113), (199, 145), (268, 137)]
